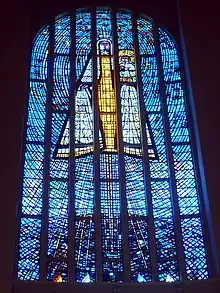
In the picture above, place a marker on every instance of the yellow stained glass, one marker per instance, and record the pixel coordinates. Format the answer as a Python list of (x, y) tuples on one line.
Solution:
[(107, 103)]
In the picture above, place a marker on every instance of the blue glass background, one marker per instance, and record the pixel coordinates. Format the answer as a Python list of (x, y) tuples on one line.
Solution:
[(185, 179)]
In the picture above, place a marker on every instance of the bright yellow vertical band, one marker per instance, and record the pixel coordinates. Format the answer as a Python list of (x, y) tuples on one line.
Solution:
[(107, 103)]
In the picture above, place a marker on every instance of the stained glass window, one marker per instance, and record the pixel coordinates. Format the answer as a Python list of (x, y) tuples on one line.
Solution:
[(113, 199)]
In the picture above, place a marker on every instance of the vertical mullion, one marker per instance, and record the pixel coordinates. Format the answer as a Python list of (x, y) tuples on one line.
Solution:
[(124, 211), (97, 218), (47, 147), (146, 165), (71, 201), (176, 212)]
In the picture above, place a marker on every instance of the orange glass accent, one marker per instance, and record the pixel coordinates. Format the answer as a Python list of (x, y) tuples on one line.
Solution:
[(58, 279)]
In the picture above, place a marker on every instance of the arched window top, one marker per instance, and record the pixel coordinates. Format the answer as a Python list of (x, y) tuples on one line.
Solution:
[(83, 16), (110, 189), (62, 40)]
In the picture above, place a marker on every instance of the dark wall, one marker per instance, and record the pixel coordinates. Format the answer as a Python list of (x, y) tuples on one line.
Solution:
[(21, 20)]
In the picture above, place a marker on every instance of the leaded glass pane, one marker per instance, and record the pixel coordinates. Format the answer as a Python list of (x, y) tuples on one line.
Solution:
[(159, 192)]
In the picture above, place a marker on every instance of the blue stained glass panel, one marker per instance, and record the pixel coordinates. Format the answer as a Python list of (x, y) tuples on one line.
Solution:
[(57, 270), (170, 269), (38, 69), (29, 244), (85, 249), (58, 219), (145, 36), (61, 85), (62, 35), (33, 180), (83, 41), (124, 30), (195, 254), (134, 173), (159, 172), (84, 164), (182, 158), (36, 112), (181, 162), (169, 57), (149, 74), (177, 115)]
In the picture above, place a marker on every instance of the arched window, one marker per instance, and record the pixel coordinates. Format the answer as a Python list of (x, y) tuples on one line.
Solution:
[(110, 191)]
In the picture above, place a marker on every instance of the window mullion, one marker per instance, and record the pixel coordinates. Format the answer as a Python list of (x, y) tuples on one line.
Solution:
[(146, 164), (124, 211), (97, 201), (47, 147), (175, 206), (71, 194)]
